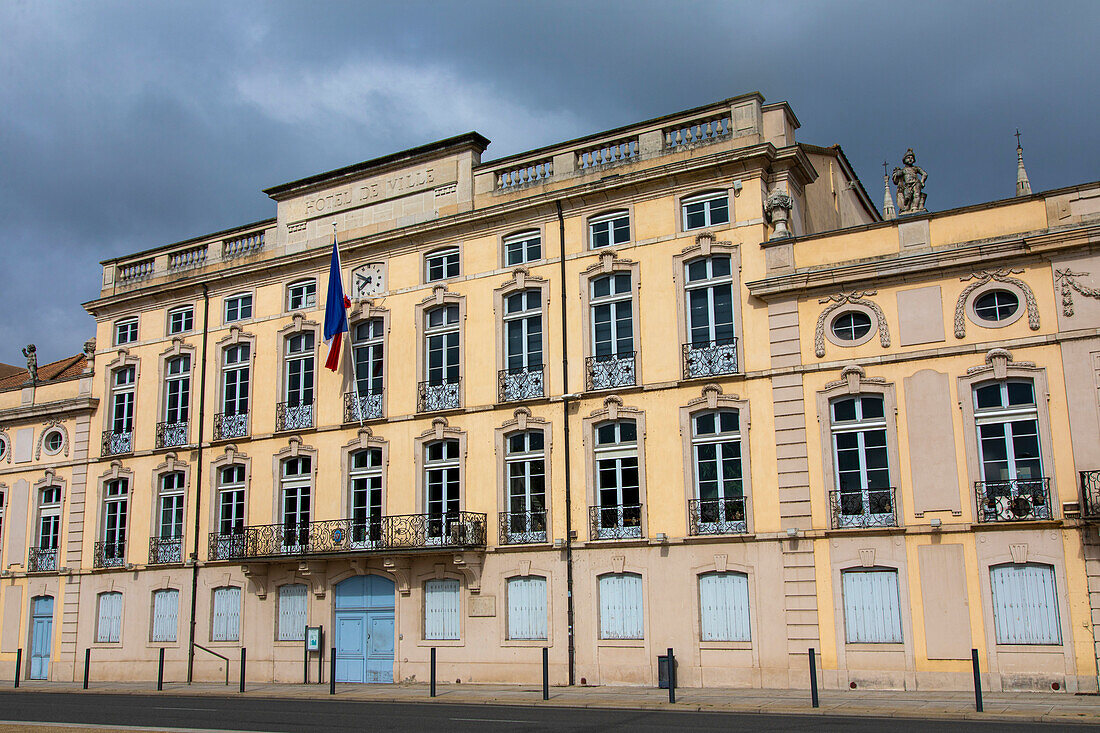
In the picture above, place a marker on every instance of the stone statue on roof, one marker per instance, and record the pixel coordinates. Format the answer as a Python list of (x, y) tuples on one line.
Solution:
[(32, 362), (910, 181)]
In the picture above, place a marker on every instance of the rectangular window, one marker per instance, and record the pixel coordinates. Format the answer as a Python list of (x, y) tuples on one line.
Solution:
[(171, 506), (441, 264), (109, 621), (238, 307), (297, 478), (299, 370), (231, 500), (368, 347), (122, 400), (126, 332), (165, 614), (49, 518), (525, 472), (621, 606), (609, 229), (872, 609), (441, 609), (292, 612), (1025, 604), (226, 624), (301, 295), (181, 320), (521, 248), (527, 608), (619, 514), (365, 474), (442, 488), (705, 210), (863, 497), (177, 392), (235, 379), (115, 504), (724, 606)]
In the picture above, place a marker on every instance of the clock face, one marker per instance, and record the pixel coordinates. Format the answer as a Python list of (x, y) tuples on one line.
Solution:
[(369, 280)]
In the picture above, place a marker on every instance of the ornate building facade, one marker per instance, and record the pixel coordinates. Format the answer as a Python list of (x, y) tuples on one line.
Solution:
[(673, 385)]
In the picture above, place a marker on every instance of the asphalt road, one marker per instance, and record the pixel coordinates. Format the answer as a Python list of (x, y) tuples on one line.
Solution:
[(291, 715)]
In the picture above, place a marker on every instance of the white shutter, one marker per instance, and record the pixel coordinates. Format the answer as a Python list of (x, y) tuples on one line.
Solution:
[(724, 606), (292, 612), (621, 606), (527, 608), (1025, 604), (441, 609), (227, 614), (872, 609), (165, 614), (109, 628)]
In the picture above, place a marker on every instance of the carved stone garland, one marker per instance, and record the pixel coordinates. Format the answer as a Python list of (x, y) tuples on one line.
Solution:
[(856, 297), (1001, 276), (1068, 280)]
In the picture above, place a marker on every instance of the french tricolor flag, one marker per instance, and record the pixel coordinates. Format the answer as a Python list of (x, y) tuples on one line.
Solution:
[(336, 314)]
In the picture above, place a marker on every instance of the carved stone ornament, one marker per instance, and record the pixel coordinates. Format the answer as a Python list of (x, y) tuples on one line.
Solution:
[(1001, 276), (1067, 279), (855, 297), (910, 180), (778, 207), (32, 362), (89, 348)]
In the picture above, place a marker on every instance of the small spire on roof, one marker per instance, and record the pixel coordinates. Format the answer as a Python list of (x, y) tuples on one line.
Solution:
[(1023, 185), (888, 210)]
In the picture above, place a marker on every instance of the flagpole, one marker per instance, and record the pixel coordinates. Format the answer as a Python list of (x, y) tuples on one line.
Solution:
[(351, 352)]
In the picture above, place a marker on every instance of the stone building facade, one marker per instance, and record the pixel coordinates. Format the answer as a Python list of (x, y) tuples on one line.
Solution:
[(674, 385)]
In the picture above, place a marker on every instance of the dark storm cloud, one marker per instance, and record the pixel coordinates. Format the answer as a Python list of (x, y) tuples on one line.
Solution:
[(128, 125)]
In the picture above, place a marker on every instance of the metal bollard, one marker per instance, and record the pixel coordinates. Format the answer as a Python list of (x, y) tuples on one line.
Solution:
[(243, 657), (545, 673), (433, 672), (671, 676), (87, 665), (332, 673), (977, 681), (813, 679), (160, 671), (18, 664)]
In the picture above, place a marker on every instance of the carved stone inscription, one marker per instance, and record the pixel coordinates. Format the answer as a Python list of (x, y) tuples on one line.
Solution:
[(372, 190)]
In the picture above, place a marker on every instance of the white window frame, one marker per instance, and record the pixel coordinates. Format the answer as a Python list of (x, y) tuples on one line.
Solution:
[(1006, 415), (233, 491), (707, 199), (177, 389), (46, 442), (527, 608), (527, 319), (301, 294), (229, 597), (236, 373), (621, 606), (237, 303), (861, 427), (614, 301), (724, 607), (447, 259), (366, 480), (617, 455), (181, 320), (521, 474), (1028, 613), (296, 501), (446, 472), (166, 604), (123, 398), (523, 242), (725, 505), (116, 513), (173, 493), (127, 336), (610, 219), (293, 613), (711, 286), (449, 373), (866, 618), (372, 348), (442, 610), (109, 627), (48, 536), (306, 357)]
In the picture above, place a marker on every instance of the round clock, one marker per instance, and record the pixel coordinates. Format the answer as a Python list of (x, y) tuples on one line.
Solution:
[(369, 280)]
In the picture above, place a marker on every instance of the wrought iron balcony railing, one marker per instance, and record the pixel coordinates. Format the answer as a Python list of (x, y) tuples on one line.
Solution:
[(290, 417), (611, 371), (615, 522), (165, 550), (520, 528), (117, 442), (398, 532), (525, 383), (433, 397), (717, 516), (230, 425), (710, 358), (1090, 494), (109, 555), (1015, 500), (171, 434), (866, 508), (367, 406), (42, 560)]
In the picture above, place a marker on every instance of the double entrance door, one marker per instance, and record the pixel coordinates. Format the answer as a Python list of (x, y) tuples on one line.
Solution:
[(365, 629)]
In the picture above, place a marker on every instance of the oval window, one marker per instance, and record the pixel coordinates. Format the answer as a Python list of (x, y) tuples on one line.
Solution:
[(996, 305), (851, 326), (54, 441), (3, 449)]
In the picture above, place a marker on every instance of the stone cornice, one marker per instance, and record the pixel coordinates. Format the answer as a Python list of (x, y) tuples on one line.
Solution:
[(57, 408)]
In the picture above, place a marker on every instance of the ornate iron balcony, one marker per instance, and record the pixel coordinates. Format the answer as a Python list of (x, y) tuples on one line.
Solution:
[(117, 442), (368, 406), (717, 516), (615, 522), (710, 358), (109, 555), (290, 417), (42, 560), (1090, 494), (398, 532), (171, 434), (611, 371), (433, 397), (519, 528), (1015, 500), (524, 383), (165, 550), (229, 425), (867, 508)]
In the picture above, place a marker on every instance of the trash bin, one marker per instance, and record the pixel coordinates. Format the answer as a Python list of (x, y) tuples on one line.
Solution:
[(662, 671)]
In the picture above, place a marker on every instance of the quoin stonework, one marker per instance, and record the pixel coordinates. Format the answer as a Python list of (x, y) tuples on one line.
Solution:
[(678, 384)]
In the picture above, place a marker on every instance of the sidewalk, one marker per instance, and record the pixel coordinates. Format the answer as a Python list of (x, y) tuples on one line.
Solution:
[(1017, 706)]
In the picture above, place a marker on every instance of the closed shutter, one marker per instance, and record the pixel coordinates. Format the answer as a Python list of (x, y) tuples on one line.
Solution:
[(527, 608), (292, 612), (227, 614), (724, 606), (109, 628), (621, 606), (165, 614), (441, 609), (1025, 605), (872, 610)]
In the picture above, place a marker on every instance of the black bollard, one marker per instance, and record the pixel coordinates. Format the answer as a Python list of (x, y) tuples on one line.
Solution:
[(243, 655), (18, 664), (977, 681), (332, 673), (671, 676), (813, 679), (545, 673), (433, 672), (160, 671), (87, 665)]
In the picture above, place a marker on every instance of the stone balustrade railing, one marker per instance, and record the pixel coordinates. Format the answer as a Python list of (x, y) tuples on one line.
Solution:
[(131, 272), (185, 259), (240, 246), (535, 171), (609, 153)]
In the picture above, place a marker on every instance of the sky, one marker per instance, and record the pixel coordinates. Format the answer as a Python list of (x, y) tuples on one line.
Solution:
[(128, 125)]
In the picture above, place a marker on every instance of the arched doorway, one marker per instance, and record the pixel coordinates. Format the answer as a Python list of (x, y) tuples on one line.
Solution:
[(364, 629)]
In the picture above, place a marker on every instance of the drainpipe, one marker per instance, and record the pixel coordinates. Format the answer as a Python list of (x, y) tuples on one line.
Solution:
[(198, 483), (568, 473)]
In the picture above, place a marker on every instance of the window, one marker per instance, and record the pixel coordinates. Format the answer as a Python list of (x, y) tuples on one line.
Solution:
[(1007, 421), (872, 609), (619, 513), (365, 491), (177, 390), (851, 326), (122, 400), (441, 264), (1, 523), (226, 621), (719, 505), (238, 307), (297, 411), (861, 468), (527, 607), (521, 248), (292, 612), (230, 540), (609, 229), (236, 376), (109, 621), (49, 521), (523, 373), (165, 614), (126, 332), (3, 448), (611, 305), (181, 320), (996, 305), (115, 503), (297, 479), (525, 474), (441, 343), (302, 294), (441, 609), (53, 442), (368, 344), (712, 346), (442, 484), (1025, 604), (621, 606), (170, 515), (724, 607), (705, 210)]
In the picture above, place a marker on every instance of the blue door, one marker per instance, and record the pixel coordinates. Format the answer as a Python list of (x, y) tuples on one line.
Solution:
[(364, 629), (41, 637)]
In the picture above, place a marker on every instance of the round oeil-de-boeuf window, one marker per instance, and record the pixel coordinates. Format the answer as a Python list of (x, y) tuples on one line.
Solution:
[(851, 326), (996, 305)]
